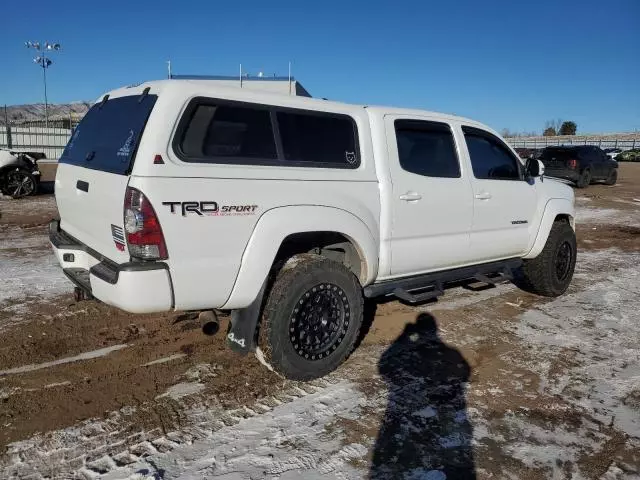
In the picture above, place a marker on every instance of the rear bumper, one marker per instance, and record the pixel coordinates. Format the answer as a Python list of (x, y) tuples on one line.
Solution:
[(136, 287)]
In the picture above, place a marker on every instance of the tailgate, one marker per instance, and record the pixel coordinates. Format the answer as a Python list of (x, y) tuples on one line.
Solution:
[(93, 173), (90, 204)]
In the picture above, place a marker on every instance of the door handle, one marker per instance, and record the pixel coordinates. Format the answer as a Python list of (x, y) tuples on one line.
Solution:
[(410, 197), (483, 196)]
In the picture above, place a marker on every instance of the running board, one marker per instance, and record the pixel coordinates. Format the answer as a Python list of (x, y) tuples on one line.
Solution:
[(421, 288)]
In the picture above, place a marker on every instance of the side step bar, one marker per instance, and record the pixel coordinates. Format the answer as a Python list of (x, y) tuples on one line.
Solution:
[(421, 288)]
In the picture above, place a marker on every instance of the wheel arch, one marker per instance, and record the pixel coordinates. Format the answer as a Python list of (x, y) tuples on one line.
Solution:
[(557, 209), (285, 231)]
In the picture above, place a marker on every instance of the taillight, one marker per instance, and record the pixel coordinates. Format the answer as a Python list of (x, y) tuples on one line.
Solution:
[(573, 163), (142, 228)]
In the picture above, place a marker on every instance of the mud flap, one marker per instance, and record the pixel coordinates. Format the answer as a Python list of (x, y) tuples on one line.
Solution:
[(241, 337)]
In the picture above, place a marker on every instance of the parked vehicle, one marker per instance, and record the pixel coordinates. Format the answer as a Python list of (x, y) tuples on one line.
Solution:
[(19, 173), (612, 153), (525, 153), (291, 211), (581, 165), (632, 155)]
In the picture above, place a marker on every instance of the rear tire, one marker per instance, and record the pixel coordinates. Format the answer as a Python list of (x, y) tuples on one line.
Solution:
[(550, 273), (585, 179), (612, 178), (312, 317)]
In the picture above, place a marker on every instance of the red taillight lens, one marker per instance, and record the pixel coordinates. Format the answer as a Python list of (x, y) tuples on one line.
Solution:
[(573, 163), (142, 228)]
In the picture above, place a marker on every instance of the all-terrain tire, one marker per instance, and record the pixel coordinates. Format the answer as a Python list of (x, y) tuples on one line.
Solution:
[(612, 178), (585, 179), (550, 273), (312, 300)]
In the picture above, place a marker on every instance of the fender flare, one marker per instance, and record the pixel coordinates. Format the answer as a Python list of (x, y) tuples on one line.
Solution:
[(554, 207), (277, 224)]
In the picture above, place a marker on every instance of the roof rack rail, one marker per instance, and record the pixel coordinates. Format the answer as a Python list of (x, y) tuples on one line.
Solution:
[(245, 78)]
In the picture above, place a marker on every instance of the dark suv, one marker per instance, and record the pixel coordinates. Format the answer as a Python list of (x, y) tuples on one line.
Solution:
[(582, 165)]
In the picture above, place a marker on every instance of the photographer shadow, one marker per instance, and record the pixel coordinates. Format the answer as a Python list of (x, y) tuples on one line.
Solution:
[(425, 432)]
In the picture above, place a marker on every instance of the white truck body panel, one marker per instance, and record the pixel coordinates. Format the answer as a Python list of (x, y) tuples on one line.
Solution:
[(400, 223)]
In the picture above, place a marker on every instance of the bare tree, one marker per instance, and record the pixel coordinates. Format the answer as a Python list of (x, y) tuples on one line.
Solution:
[(555, 124)]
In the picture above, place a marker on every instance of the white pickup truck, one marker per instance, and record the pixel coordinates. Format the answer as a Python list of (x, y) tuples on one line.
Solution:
[(290, 212)]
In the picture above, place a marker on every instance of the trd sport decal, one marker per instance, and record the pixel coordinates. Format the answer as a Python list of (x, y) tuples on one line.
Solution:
[(210, 208)]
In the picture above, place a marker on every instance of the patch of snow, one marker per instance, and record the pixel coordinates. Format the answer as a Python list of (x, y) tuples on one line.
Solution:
[(183, 389), (589, 215), (57, 384), (287, 442), (426, 412), (600, 325), (83, 356), (261, 358), (170, 358), (37, 275)]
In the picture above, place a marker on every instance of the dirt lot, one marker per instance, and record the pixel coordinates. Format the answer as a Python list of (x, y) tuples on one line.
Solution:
[(490, 384)]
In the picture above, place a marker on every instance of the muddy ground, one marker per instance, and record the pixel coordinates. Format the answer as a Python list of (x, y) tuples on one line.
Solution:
[(489, 384)]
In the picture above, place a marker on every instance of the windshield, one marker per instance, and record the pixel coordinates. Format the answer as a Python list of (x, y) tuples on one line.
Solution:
[(107, 137)]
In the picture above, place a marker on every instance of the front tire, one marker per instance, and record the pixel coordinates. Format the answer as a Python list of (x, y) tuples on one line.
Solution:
[(585, 179), (312, 317), (612, 178), (550, 273)]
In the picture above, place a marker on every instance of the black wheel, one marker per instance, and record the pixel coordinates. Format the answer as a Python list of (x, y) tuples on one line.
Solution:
[(20, 183), (550, 273), (312, 317), (612, 178), (585, 179)]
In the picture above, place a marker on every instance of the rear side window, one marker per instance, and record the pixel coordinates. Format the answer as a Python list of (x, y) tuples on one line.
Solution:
[(490, 158), (107, 137), (221, 131), (226, 134), (318, 139), (427, 149)]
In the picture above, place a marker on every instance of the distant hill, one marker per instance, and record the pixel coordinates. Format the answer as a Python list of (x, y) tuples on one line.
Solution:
[(34, 112)]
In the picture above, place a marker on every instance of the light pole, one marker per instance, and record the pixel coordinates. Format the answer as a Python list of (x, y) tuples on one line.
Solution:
[(42, 60)]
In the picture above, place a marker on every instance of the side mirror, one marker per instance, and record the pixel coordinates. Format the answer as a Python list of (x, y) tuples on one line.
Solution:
[(534, 168)]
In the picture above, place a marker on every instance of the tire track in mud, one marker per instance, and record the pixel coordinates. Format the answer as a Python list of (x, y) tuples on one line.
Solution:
[(157, 426)]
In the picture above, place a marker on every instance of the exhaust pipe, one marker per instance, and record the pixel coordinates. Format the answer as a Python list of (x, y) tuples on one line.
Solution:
[(209, 322)]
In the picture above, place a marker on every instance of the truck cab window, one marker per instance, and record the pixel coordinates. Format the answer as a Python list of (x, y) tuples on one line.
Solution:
[(490, 159), (427, 149)]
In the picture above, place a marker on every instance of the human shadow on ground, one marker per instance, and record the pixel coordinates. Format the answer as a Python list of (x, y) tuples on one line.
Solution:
[(425, 432)]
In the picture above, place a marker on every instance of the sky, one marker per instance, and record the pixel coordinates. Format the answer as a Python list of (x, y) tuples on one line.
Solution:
[(509, 64)]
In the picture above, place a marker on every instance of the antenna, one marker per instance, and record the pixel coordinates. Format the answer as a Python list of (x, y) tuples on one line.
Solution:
[(289, 78)]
